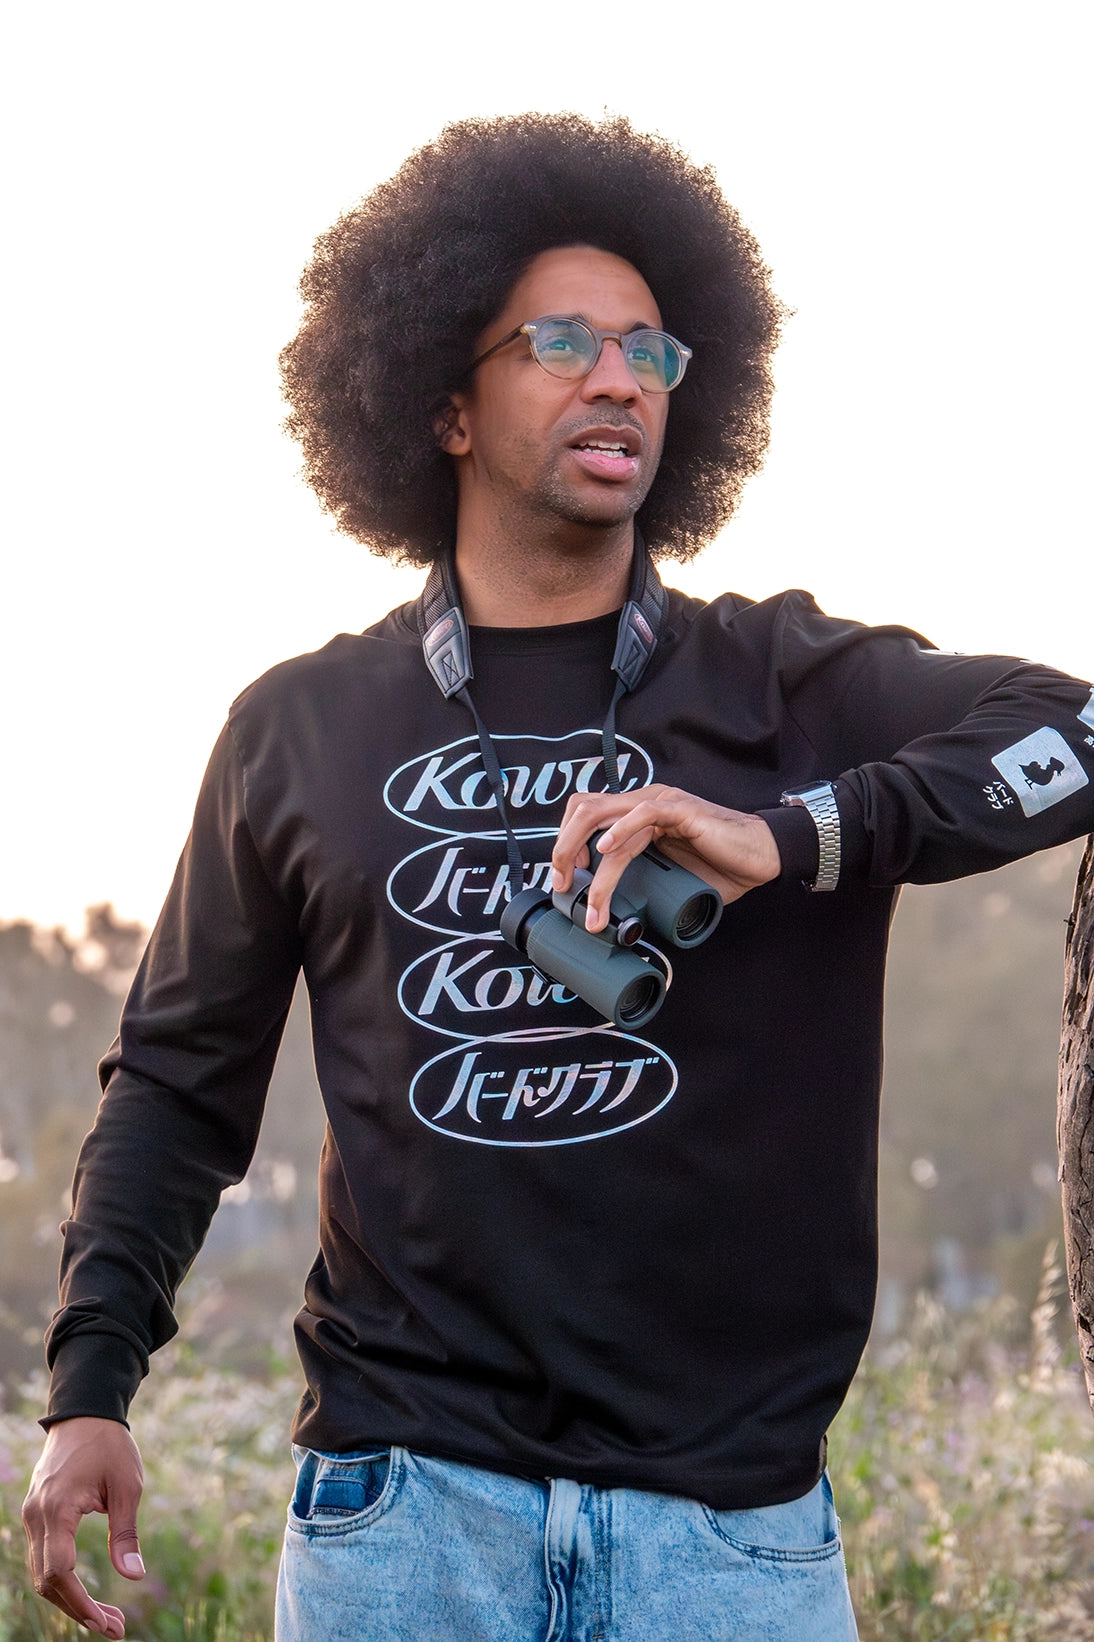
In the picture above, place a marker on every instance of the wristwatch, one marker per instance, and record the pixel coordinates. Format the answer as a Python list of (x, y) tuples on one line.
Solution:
[(820, 800)]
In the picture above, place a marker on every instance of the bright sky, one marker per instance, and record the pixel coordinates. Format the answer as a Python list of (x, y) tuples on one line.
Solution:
[(917, 177)]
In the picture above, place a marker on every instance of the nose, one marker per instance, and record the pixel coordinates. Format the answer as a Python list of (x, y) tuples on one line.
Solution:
[(610, 377)]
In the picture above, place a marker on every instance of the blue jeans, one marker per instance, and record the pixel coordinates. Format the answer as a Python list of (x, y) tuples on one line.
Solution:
[(401, 1547)]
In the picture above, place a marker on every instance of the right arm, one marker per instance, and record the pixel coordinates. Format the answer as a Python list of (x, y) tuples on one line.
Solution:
[(184, 1086)]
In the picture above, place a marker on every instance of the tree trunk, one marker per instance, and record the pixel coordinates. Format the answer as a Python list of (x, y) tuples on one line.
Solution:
[(1075, 1111)]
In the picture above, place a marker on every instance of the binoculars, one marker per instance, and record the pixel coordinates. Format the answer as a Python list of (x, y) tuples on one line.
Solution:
[(604, 969)]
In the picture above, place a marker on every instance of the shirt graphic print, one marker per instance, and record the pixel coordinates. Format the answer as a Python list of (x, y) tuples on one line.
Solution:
[(521, 1060)]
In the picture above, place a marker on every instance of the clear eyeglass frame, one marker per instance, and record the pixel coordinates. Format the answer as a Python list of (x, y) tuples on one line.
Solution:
[(656, 360)]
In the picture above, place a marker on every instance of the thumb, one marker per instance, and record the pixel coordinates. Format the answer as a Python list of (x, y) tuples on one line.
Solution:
[(125, 1549)]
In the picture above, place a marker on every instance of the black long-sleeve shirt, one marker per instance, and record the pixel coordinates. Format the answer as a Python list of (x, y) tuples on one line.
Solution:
[(549, 1246)]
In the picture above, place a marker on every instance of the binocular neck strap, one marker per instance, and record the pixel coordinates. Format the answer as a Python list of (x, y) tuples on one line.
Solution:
[(447, 651)]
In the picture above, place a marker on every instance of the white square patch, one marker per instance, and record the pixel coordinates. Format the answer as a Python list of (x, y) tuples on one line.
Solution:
[(1087, 715), (1042, 769)]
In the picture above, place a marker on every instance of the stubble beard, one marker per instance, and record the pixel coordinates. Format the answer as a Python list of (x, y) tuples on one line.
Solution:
[(551, 497)]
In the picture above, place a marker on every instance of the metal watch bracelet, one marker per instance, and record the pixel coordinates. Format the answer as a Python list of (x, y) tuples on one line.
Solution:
[(820, 800)]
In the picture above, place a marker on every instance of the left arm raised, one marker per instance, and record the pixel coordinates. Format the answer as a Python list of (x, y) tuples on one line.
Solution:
[(732, 851)]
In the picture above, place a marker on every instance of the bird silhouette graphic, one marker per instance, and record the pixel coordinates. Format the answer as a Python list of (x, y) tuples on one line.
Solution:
[(1039, 775)]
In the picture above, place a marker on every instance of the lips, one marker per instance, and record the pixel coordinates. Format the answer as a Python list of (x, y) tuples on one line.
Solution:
[(625, 441), (607, 452)]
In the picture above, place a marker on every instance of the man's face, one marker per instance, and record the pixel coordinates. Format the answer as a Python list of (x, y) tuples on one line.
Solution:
[(534, 448)]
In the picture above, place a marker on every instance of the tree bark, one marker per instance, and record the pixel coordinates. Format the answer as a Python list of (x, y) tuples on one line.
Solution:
[(1075, 1111)]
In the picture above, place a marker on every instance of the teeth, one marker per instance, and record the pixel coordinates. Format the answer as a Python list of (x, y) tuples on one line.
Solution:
[(602, 444)]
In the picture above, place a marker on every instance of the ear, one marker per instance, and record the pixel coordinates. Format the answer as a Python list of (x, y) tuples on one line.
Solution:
[(450, 427)]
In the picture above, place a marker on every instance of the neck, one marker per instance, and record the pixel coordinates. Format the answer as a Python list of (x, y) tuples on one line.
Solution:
[(518, 583)]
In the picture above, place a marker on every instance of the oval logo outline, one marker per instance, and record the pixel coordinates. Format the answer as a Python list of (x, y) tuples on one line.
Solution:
[(452, 841), (518, 964), (470, 765), (536, 1035)]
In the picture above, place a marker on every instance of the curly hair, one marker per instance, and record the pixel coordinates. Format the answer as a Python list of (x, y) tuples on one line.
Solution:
[(401, 287)]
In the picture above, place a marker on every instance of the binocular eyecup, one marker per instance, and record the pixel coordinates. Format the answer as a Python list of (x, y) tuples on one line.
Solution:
[(680, 906), (603, 969)]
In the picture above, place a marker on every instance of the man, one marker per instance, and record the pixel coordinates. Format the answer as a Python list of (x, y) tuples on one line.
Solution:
[(589, 1294)]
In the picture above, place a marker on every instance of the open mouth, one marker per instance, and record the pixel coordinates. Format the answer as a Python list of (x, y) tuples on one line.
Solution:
[(605, 459), (607, 452), (614, 447)]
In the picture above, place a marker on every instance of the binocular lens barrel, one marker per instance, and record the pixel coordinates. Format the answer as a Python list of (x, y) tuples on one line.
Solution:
[(602, 968), (679, 905), (696, 918), (614, 980), (640, 999)]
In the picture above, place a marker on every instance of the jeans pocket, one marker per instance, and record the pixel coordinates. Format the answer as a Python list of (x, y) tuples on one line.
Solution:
[(337, 1493), (801, 1530)]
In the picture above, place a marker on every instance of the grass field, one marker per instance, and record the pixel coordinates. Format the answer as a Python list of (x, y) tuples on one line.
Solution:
[(963, 1465)]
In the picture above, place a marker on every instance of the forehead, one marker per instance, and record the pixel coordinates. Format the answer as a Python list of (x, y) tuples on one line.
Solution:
[(582, 280)]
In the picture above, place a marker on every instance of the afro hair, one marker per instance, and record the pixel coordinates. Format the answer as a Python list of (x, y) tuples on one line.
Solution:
[(401, 287)]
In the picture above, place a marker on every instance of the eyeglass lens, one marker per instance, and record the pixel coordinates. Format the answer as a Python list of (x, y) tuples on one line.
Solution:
[(566, 347)]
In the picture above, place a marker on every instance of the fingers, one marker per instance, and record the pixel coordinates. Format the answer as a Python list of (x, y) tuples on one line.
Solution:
[(87, 1465), (123, 1496), (125, 1549), (633, 821), (732, 851), (99, 1617), (654, 820), (586, 814), (53, 1565)]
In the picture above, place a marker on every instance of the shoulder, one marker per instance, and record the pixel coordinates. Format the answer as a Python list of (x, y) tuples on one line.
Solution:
[(787, 629), (737, 612), (347, 660), (349, 682)]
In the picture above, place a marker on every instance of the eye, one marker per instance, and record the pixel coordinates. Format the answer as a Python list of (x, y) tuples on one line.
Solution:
[(646, 353), (564, 346), (654, 358)]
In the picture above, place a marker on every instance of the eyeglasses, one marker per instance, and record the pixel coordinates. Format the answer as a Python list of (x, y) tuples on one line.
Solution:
[(569, 348)]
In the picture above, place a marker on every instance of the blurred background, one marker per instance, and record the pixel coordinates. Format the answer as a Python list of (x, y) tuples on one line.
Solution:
[(918, 182), (917, 185)]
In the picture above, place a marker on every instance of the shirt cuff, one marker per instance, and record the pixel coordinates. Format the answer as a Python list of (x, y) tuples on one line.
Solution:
[(798, 842), (94, 1375), (796, 836)]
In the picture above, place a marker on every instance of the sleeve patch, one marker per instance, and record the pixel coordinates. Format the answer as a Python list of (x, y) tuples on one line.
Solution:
[(1087, 715), (1042, 769)]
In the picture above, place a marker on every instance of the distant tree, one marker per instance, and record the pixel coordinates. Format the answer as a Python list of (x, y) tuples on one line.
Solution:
[(969, 1196), (58, 1012), (59, 1001), (1076, 1111), (110, 947)]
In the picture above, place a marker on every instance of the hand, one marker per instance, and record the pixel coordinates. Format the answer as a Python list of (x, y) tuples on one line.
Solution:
[(733, 852), (86, 1465)]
